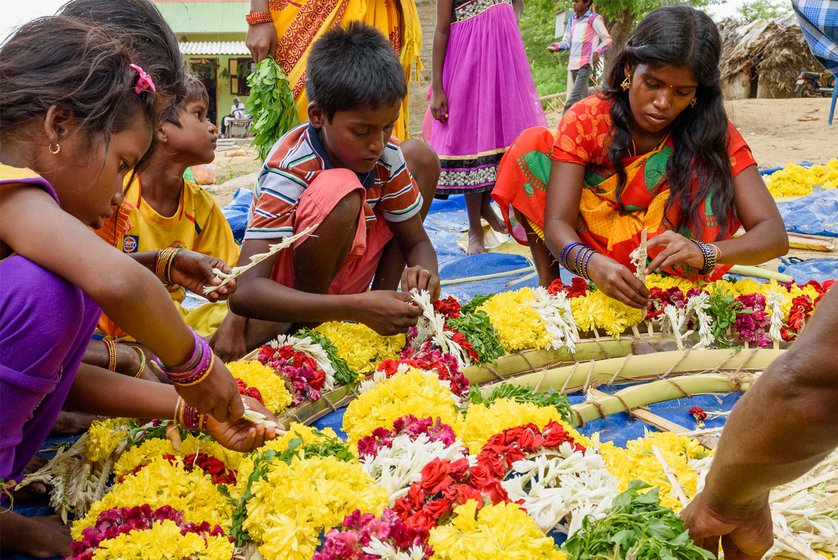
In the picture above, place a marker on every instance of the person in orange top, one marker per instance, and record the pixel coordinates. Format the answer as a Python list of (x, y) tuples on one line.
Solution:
[(653, 151)]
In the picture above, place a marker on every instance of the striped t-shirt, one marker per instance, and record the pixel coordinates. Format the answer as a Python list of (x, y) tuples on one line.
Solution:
[(584, 36), (295, 161)]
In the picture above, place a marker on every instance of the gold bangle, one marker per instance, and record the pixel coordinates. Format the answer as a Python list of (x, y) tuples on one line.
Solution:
[(717, 251), (163, 264), (110, 346), (143, 361)]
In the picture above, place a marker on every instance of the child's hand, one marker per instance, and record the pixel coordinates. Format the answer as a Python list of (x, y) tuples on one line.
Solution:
[(193, 271), (386, 312), (418, 278), (216, 395), (439, 106), (243, 435)]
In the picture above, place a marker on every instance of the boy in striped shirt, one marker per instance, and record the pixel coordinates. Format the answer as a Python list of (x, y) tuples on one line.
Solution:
[(587, 39), (367, 195)]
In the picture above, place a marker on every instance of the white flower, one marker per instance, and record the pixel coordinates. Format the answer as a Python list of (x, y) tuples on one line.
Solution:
[(560, 488), (383, 550), (774, 301), (313, 349), (555, 311)]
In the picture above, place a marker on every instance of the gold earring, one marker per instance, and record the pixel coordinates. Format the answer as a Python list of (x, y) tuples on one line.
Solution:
[(626, 83), (56, 149), (693, 102)]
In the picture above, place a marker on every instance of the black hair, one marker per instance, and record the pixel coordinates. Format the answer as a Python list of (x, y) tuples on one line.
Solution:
[(680, 36), (142, 28), (354, 67), (193, 90), (75, 66)]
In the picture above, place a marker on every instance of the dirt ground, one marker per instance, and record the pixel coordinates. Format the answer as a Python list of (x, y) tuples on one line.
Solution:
[(779, 131)]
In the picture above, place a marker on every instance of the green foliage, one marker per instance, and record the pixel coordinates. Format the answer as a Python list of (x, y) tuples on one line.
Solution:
[(537, 25), (270, 104), (639, 528), (478, 329), (523, 395), (764, 9), (344, 375), (475, 302), (724, 309)]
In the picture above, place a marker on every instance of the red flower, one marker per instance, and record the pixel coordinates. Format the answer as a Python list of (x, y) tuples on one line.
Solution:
[(437, 508), (436, 476), (698, 413)]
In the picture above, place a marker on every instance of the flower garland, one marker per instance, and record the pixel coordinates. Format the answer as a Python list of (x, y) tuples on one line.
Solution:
[(494, 531), (395, 458), (483, 421), (259, 381), (366, 537), (301, 362), (429, 360), (638, 462), (597, 311), (293, 503), (140, 532), (519, 325), (217, 462), (104, 437), (162, 483), (431, 331), (424, 395), (360, 346)]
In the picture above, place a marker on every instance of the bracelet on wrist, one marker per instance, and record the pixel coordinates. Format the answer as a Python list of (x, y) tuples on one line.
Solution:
[(143, 360), (258, 18), (709, 255), (188, 416), (195, 369), (110, 346), (163, 264)]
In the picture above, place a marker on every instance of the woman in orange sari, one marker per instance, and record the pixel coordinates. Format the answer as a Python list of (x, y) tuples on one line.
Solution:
[(292, 26), (653, 152)]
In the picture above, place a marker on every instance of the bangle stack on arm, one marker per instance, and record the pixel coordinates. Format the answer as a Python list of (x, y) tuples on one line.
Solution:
[(580, 259)]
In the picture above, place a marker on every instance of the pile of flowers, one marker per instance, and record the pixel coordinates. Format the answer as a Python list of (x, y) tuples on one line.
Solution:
[(395, 458), (429, 360), (360, 346), (143, 532), (365, 536), (797, 180), (303, 363), (261, 382)]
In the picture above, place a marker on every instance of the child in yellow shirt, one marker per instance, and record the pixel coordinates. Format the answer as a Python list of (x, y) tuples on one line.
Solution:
[(169, 211)]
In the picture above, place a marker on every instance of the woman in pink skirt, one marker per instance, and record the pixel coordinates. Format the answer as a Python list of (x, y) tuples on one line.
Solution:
[(482, 97)]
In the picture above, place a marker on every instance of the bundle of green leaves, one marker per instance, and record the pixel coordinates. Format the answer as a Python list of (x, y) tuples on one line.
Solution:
[(270, 104), (639, 528)]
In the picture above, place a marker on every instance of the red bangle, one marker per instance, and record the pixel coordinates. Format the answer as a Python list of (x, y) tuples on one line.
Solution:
[(258, 18)]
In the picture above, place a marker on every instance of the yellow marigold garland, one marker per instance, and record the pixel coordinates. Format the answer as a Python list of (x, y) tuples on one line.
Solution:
[(495, 531), (638, 462), (154, 448), (411, 392), (289, 510), (482, 422), (361, 347), (272, 387), (601, 312), (165, 541), (519, 325), (161, 483)]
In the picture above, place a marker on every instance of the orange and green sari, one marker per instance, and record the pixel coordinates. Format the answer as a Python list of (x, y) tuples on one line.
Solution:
[(605, 224), (299, 23)]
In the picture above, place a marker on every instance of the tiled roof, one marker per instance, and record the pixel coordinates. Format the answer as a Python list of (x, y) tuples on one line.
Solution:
[(214, 48)]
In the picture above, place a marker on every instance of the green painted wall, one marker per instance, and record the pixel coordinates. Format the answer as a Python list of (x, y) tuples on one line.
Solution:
[(209, 17)]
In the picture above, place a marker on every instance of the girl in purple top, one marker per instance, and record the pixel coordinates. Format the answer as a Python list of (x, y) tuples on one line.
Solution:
[(77, 116)]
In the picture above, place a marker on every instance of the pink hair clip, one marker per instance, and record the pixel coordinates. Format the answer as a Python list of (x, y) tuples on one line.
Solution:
[(144, 81)]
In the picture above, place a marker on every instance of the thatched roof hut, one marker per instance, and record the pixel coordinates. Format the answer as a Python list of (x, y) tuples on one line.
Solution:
[(763, 58)]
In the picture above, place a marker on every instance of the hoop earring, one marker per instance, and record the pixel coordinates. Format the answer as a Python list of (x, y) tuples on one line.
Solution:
[(626, 83), (693, 102), (56, 149)]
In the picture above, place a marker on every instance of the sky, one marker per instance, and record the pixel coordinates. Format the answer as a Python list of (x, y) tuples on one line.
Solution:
[(16, 12)]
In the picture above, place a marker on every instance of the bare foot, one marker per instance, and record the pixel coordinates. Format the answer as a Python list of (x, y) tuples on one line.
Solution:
[(475, 242), (41, 537), (71, 423)]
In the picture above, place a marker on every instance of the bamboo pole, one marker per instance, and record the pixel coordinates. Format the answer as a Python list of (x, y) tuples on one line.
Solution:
[(659, 391), (465, 279), (757, 272), (632, 368)]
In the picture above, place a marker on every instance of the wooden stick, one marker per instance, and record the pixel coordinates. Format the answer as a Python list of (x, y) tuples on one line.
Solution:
[(757, 272), (465, 279)]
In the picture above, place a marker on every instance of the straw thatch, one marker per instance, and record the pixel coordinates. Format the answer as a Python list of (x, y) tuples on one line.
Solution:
[(763, 58)]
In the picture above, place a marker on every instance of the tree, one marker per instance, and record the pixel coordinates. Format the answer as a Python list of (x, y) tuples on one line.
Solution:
[(764, 9)]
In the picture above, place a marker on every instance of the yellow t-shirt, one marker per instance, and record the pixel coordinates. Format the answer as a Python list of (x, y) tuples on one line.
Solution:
[(198, 225)]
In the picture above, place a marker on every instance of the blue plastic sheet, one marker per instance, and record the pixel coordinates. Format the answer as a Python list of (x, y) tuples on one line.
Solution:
[(236, 212), (816, 214), (810, 269)]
